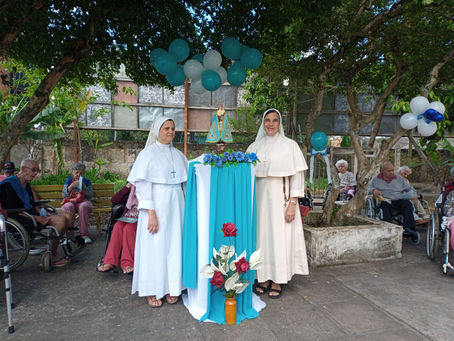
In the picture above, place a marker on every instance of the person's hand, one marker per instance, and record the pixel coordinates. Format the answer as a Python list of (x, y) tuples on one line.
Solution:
[(128, 185), (376, 193), (290, 211), (152, 222)]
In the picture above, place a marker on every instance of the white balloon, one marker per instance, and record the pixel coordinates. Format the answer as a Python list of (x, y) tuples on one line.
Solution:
[(409, 121), (425, 129), (419, 104), (438, 106), (197, 87), (193, 69), (223, 73), (212, 60)]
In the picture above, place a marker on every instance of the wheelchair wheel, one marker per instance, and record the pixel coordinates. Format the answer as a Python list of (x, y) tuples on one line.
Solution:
[(369, 209), (18, 243), (46, 261), (445, 248), (433, 237)]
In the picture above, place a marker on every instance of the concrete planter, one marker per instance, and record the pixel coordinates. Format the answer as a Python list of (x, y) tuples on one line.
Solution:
[(367, 240)]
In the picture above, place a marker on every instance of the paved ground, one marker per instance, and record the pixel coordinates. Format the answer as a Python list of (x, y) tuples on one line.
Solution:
[(405, 299)]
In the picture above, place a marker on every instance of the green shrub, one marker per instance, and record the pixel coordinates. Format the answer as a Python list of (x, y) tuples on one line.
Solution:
[(94, 174)]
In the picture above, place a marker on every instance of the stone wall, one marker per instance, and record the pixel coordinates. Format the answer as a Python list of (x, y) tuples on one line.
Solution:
[(119, 156)]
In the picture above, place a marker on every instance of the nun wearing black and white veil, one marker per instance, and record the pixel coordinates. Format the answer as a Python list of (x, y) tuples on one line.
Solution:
[(159, 174)]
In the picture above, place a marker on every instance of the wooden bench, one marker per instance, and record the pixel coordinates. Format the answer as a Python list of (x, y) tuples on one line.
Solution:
[(101, 198)]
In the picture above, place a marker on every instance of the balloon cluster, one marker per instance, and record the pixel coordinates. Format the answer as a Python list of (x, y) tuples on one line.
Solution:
[(205, 71), (423, 115)]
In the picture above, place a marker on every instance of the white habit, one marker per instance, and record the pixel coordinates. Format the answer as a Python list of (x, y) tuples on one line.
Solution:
[(279, 176), (159, 174)]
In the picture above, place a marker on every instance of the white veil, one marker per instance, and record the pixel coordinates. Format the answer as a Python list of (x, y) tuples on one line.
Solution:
[(154, 131), (261, 133)]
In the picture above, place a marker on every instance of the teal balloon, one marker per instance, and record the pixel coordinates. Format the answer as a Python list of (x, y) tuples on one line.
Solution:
[(155, 54), (177, 77), (211, 80), (319, 140), (236, 74), (231, 48), (179, 48), (198, 57), (251, 58), (165, 63)]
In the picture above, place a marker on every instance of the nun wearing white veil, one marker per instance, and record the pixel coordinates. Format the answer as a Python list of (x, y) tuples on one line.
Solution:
[(280, 182), (159, 174)]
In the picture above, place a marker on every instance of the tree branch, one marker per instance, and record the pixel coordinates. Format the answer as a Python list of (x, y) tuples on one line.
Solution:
[(16, 24), (433, 76)]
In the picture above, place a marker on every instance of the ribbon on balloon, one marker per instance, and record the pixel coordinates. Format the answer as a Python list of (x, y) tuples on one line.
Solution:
[(423, 116), (205, 71), (324, 154), (319, 140)]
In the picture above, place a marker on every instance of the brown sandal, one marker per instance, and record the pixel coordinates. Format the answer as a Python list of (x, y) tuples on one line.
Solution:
[(153, 302)]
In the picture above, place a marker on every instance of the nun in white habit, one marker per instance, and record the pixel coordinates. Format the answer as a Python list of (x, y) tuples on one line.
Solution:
[(280, 182), (159, 174)]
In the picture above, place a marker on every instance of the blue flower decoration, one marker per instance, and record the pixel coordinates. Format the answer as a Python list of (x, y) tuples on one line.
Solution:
[(207, 158), (240, 156), (253, 157), (229, 158)]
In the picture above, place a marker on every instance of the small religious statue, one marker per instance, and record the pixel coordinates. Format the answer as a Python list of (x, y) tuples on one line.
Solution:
[(220, 131)]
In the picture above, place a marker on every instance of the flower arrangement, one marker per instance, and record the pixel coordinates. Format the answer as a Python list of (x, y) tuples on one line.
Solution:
[(227, 269), (229, 158)]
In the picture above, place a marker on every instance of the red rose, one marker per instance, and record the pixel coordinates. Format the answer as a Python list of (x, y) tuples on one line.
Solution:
[(242, 265), (229, 230), (217, 280)]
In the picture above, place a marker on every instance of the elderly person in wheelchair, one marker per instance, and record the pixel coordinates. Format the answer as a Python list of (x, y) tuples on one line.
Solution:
[(16, 193), (394, 194), (420, 214)]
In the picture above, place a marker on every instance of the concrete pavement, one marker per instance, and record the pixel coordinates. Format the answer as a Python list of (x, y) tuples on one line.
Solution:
[(404, 299)]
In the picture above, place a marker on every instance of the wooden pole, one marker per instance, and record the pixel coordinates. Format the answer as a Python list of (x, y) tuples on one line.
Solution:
[(76, 141), (186, 100)]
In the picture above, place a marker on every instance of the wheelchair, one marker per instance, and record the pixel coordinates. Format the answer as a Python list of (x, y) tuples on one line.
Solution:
[(372, 210), (23, 230), (344, 196), (438, 235), (115, 213)]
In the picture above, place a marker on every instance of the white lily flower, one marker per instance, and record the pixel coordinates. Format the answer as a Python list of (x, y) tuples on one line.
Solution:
[(240, 287), (215, 253), (226, 251), (230, 283), (207, 271), (255, 261), (232, 266)]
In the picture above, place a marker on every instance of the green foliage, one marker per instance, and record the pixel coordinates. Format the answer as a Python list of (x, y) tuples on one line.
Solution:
[(93, 174), (318, 186), (21, 86), (53, 179)]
